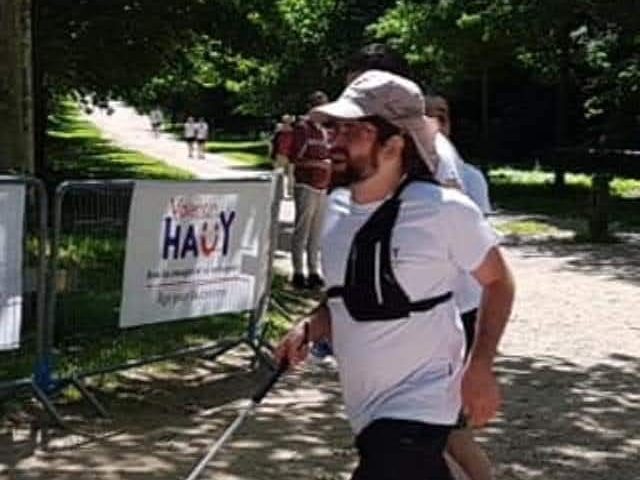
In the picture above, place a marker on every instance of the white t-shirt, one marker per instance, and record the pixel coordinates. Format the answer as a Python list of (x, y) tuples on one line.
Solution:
[(450, 164), (155, 116), (411, 368), (202, 131), (189, 130), (468, 291), (453, 170), (475, 186)]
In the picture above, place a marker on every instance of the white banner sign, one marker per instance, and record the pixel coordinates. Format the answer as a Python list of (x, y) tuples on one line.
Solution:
[(195, 249), (11, 233)]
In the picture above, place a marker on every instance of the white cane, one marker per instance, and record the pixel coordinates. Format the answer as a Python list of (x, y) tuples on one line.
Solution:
[(253, 403)]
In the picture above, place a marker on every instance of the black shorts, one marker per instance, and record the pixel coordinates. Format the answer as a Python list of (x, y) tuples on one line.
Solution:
[(190, 139), (469, 324), (402, 450)]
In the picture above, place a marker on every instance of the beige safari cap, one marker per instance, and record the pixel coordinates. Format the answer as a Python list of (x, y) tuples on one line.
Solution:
[(396, 99)]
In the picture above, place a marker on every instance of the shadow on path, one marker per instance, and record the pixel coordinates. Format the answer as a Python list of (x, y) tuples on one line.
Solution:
[(566, 422), (560, 422), (619, 261)]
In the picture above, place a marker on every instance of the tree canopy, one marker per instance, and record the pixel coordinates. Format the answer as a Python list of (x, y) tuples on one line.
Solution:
[(261, 58)]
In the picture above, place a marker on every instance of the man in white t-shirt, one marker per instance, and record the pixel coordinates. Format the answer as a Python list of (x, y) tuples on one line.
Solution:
[(475, 187), (449, 170), (156, 118), (468, 291), (202, 136), (189, 132), (392, 250), (440, 154)]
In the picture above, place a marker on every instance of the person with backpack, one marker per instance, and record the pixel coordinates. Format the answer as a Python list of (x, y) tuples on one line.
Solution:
[(448, 169), (392, 248)]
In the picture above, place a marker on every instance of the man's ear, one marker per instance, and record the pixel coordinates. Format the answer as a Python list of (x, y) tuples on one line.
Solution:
[(392, 148)]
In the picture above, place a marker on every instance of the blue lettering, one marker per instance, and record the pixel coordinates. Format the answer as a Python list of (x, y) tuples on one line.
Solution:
[(226, 225), (170, 240), (190, 243)]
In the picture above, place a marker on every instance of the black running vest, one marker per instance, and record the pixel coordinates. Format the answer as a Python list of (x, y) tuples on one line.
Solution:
[(371, 291)]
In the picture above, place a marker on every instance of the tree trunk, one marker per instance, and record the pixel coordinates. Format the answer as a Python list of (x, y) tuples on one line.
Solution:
[(562, 114), (484, 162), (600, 197), (40, 95), (16, 92)]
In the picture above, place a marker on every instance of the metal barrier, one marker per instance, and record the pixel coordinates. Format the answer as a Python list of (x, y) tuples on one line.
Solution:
[(20, 368), (85, 289)]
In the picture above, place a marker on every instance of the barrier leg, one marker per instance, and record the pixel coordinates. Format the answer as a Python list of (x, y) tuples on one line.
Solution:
[(47, 404), (76, 382), (258, 345)]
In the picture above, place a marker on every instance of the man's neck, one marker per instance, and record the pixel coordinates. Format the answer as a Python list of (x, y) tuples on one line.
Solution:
[(376, 188)]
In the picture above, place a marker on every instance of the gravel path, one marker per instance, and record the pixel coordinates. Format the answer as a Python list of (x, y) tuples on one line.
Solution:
[(130, 130)]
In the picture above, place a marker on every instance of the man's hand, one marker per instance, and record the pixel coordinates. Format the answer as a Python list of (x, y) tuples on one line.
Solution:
[(294, 346), (481, 397)]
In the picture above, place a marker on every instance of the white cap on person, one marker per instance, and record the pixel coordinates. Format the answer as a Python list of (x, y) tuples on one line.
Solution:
[(396, 99)]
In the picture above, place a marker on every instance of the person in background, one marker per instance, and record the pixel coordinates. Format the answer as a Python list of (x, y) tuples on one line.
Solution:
[(202, 136), (281, 144), (474, 183), (312, 171), (156, 118), (189, 133), (468, 293)]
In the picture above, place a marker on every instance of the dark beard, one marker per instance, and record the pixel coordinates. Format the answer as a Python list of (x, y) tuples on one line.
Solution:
[(344, 172), (352, 175)]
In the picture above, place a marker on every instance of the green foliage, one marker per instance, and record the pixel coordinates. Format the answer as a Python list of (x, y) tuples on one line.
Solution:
[(591, 46), (263, 57), (88, 252), (448, 41), (533, 193), (307, 21), (527, 228)]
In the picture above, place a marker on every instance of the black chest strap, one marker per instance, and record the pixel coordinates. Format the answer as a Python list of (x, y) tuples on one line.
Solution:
[(371, 291)]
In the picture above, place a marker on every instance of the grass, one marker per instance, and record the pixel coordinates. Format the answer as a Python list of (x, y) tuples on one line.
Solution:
[(533, 192), (527, 228), (76, 150), (252, 154), (87, 308), (248, 152)]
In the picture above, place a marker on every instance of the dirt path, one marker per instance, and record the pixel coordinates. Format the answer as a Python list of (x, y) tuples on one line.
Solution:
[(130, 130), (569, 366)]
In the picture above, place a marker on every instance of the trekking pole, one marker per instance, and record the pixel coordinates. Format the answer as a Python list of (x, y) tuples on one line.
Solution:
[(254, 402)]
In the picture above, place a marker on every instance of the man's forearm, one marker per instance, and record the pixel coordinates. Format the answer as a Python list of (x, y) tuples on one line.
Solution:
[(494, 312)]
